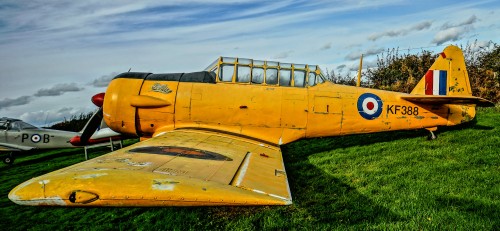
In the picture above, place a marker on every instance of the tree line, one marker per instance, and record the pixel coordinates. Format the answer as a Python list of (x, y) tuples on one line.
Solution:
[(74, 124)]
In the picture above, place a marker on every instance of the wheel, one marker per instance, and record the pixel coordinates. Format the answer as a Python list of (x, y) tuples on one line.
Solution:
[(8, 159)]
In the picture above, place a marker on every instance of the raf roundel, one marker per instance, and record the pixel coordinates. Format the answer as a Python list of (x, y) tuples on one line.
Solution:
[(369, 106), (36, 138)]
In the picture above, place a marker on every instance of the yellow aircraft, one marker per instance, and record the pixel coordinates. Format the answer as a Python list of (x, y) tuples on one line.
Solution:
[(213, 137)]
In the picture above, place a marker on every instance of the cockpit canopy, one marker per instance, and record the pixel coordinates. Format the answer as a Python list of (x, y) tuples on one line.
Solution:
[(242, 70), (14, 124)]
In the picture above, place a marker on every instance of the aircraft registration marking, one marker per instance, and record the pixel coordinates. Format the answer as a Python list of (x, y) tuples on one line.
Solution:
[(35, 138), (403, 110)]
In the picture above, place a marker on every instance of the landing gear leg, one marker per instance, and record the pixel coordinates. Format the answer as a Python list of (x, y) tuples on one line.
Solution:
[(9, 159), (432, 136)]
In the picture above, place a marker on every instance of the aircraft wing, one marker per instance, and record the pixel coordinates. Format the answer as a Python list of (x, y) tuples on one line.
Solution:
[(177, 168), (5, 147), (443, 99)]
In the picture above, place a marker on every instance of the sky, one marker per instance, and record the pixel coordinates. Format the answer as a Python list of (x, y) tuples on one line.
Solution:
[(55, 55)]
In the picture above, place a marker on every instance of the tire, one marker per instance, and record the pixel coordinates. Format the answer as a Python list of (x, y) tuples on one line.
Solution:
[(8, 159)]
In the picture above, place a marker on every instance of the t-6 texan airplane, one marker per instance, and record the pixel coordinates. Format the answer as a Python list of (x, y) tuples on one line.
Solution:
[(213, 137)]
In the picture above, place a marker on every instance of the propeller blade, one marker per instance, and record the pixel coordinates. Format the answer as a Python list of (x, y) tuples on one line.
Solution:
[(89, 129)]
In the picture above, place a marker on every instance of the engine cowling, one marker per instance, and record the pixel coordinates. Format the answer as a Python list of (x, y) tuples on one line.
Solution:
[(118, 113)]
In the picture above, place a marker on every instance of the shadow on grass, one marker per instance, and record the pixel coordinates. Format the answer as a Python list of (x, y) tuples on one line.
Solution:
[(320, 201), (327, 199), (469, 125)]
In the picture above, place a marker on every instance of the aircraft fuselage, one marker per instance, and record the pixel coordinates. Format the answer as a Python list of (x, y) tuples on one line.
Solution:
[(275, 114), (38, 138)]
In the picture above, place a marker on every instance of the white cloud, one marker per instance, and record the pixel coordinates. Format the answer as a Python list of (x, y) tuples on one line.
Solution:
[(58, 89), (8, 102), (326, 46), (283, 55), (450, 34), (471, 20), (357, 54), (49, 117), (400, 32), (104, 80)]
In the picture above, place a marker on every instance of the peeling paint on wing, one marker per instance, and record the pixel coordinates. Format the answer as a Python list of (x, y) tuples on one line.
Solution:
[(103, 161), (139, 164), (123, 160), (164, 184), (90, 176), (41, 201), (14, 197), (263, 145)]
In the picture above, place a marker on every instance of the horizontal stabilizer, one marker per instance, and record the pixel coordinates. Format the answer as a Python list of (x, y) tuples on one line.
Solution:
[(444, 99)]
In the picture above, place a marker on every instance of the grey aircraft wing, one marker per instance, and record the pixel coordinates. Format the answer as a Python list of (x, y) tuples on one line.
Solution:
[(5, 147)]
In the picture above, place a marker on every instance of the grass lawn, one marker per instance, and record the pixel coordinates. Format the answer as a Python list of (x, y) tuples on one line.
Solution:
[(395, 181)]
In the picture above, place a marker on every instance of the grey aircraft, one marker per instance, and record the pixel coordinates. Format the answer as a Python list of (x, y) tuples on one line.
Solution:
[(17, 135)]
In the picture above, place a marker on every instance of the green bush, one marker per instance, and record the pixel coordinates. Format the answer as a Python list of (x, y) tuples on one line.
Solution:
[(483, 66)]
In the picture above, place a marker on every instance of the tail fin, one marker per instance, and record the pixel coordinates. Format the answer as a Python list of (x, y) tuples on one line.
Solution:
[(447, 82), (447, 76)]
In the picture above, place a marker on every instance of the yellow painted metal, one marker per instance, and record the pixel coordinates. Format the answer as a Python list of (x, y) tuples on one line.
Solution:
[(128, 178), (243, 118), (142, 101), (451, 60), (148, 120), (119, 115)]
